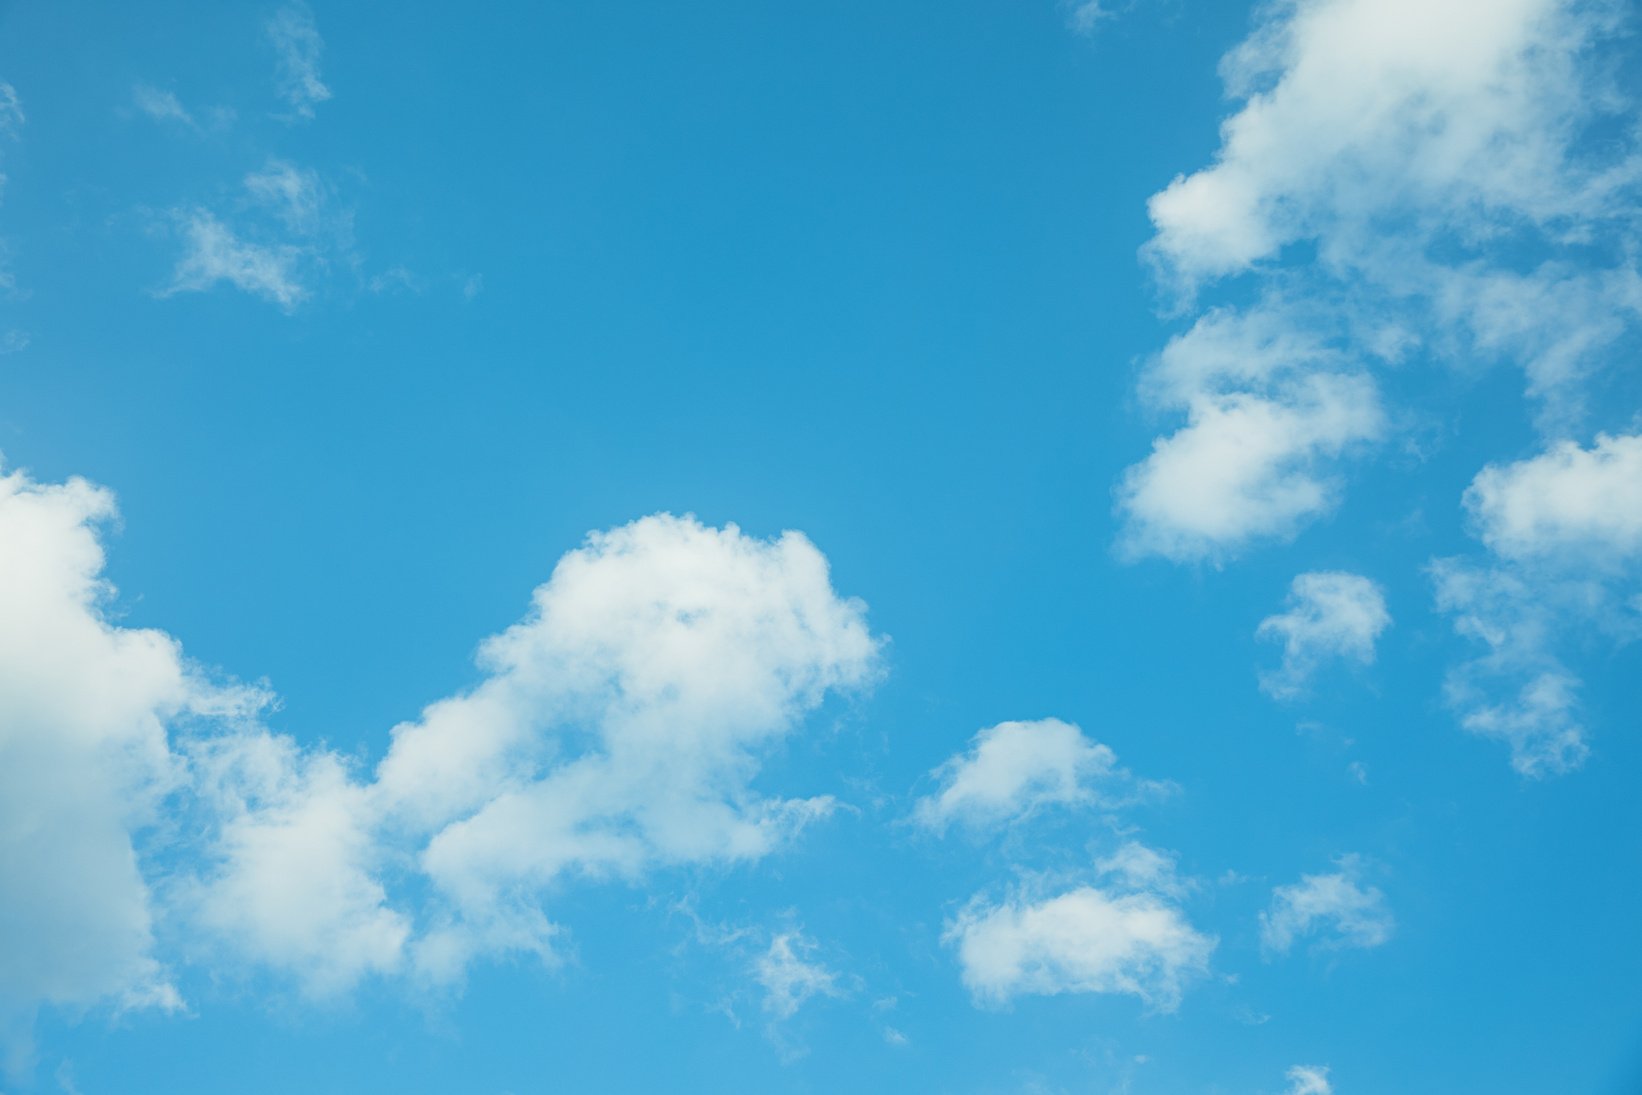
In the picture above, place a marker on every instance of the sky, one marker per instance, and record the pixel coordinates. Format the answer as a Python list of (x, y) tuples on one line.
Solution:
[(972, 547)]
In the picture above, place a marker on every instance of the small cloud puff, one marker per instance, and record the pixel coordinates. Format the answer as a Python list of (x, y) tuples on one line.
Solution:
[(1127, 936), (1016, 769), (1338, 906), (1331, 614), (1584, 505), (1309, 1080)]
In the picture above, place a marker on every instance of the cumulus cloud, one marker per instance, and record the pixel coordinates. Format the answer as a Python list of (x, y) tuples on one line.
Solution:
[(1387, 168), (1114, 938), (1309, 1080), (85, 762), (1335, 906), (297, 48), (1015, 769), (789, 977), (1567, 500), (618, 729), (1330, 615), (1359, 112)]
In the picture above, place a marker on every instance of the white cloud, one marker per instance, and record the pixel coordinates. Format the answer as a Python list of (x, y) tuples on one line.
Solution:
[(161, 105), (1271, 400), (11, 109), (1516, 618), (1420, 151), (1356, 112), (85, 762), (1568, 501), (788, 976), (1014, 770), (1565, 542), (617, 730), (294, 195), (1336, 906), (297, 48), (288, 235), (214, 254), (1309, 1080), (1088, 939), (1330, 614)]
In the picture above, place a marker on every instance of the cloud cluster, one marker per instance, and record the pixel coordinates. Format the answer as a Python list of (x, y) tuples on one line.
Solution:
[(289, 235), (1330, 615), (1565, 554), (1417, 152), (1124, 932), (1336, 906), (619, 728)]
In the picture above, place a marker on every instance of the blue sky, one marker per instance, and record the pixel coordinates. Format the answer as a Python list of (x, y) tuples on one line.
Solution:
[(883, 547)]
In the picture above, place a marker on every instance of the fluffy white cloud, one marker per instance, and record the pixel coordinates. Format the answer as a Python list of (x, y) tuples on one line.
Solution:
[(1245, 467), (1568, 500), (1419, 150), (790, 979), (1330, 614), (1357, 113), (297, 48), (618, 729), (1015, 769), (1335, 905), (1309, 1080), (85, 761), (1113, 939)]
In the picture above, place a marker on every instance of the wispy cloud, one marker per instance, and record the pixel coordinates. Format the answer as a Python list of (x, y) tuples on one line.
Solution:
[(11, 109), (1336, 906), (297, 48), (161, 105), (213, 255), (285, 237), (1565, 548), (791, 976)]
